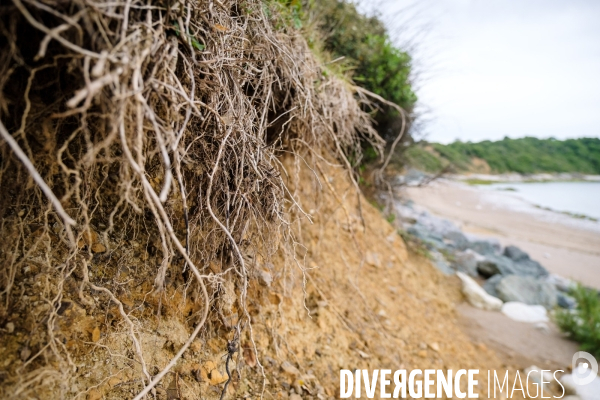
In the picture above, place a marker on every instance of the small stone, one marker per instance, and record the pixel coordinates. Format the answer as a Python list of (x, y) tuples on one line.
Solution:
[(10, 327), (289, 369), (98, 248), (94, 394), (25, 353), (434, 346), (264, 277), (114, 381), (362, 354), (422, 353), (216, 378), (212, 374), (295, 396), (89, 237), (373, 259), (215, 267), (96, 334), (249, 356)]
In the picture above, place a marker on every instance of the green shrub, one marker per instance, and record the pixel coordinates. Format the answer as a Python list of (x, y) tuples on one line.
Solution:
[(418, 157), (369, 55), (527, 155), (583, 324), (288, 13)]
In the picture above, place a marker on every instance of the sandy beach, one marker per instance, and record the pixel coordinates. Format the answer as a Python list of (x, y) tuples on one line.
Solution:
[(564, 245)]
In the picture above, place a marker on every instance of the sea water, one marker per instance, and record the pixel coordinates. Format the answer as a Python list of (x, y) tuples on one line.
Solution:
[(572, 197)]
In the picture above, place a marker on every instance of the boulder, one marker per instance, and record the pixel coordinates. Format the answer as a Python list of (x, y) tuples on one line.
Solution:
[(476, 295), (495, 264), (456, 239), (524, 312), (562, 284), (485, 247), (565, 301), (431, 239), (524, 264), (529, 267), (528, 290), (466, 261), (492, 265), (490, 285), (515, 253)]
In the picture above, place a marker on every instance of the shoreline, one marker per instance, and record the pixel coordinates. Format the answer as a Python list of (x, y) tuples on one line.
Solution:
[(514, 201), (565, 245), (522, 178), (507, 253)]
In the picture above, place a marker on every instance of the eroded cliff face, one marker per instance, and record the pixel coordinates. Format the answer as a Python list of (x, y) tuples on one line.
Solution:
[(347, 295), (194, 213), (364, 301)]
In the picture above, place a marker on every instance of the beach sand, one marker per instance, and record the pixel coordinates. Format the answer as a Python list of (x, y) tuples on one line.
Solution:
[(564, 245)]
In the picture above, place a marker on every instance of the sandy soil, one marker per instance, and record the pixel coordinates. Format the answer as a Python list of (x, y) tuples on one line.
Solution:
[(562, 244), (364, 301)]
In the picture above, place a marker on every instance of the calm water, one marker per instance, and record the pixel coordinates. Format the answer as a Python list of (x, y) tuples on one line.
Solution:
[(574, 197)]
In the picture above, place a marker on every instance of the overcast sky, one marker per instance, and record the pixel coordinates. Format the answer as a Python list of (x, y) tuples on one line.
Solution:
[(493, 68)]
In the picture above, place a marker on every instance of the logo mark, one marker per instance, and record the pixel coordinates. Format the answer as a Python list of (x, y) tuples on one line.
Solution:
[(584, 372)]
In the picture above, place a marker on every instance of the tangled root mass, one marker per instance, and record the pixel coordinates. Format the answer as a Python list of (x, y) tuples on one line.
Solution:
[(157, 129)]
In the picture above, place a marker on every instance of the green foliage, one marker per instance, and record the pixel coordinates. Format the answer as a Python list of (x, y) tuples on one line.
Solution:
[(527, 155), (289, 13), (583, 325), (197, 45), (418, 157), (376, 64), (415, 244), (391, 218), (460, 160)]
